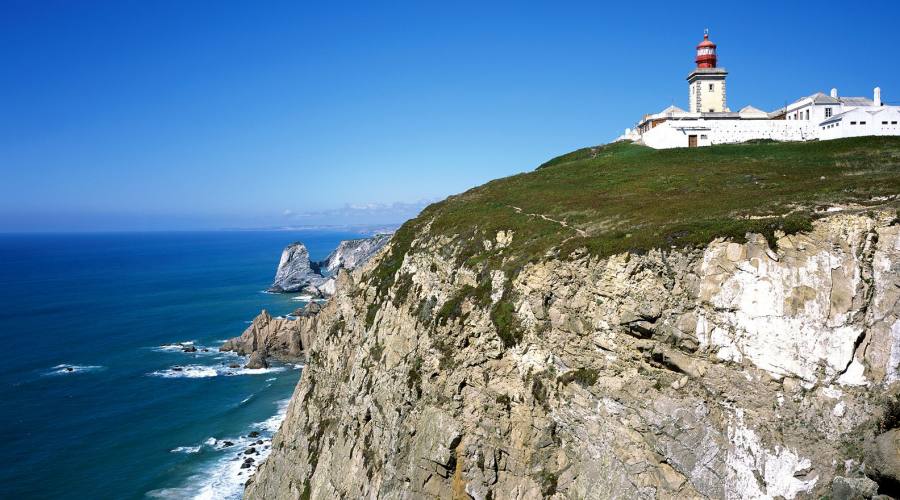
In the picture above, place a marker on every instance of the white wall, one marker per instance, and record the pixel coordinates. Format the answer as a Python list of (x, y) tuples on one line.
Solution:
[(851, 123), (816, 112), (708, 100), (674, 133)]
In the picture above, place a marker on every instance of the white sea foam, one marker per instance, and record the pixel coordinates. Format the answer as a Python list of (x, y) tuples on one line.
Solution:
[(205, 371), (274, 422), (180, 346), (73, 369), (186, 449), (224, 478)]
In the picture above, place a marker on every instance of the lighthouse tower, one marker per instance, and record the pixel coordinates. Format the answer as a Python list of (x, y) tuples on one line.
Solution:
[(707, 82)]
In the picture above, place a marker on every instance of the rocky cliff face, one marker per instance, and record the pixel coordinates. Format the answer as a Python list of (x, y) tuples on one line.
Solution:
[(350, 254), (282, 338), (732, 371), (296, 273)]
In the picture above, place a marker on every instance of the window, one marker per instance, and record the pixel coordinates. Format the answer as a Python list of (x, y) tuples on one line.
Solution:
[(712, 86), (862, 123), (893, 123), (807, 114), (703, 136), (884, 123), (827, 112), (852, 123)]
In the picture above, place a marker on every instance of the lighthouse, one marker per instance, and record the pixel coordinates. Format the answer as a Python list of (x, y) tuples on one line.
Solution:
[(706, 83)]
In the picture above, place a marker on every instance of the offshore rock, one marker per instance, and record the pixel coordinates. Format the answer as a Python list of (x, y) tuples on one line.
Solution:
[(351, 254), (281, 338), (257, 360), (731, 371), (296, 273)]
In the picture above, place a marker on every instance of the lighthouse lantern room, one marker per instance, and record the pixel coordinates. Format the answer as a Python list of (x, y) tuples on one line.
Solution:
[(706, 84)]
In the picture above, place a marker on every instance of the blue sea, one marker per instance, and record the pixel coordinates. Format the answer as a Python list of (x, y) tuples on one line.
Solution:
[(91, 404)]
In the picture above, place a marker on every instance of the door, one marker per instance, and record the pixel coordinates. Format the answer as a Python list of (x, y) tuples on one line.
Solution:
[(692, 141)]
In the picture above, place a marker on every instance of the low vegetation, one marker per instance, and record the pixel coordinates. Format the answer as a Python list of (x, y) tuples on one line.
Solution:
[(624, 197)]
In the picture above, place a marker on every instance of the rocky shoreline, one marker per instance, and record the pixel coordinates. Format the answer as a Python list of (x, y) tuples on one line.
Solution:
[(287, 338)]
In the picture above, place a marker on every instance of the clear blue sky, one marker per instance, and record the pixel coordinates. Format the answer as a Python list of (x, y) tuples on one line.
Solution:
[(183, 115)]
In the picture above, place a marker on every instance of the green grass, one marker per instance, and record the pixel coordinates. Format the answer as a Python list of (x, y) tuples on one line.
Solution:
[(623, 197), (627, 198)]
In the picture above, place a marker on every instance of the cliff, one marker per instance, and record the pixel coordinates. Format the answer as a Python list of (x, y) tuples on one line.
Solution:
[(350, 254), (613, 344), (296, 273), (282, 338), (287, 338)]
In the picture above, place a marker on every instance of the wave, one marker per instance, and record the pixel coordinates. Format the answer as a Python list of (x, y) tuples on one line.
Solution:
[(274, 422), (187, 347), (73, 369), (205, 371), (225, 477), (186, 449)]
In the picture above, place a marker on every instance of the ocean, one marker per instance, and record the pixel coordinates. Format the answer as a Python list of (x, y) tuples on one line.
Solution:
[(93, 405)]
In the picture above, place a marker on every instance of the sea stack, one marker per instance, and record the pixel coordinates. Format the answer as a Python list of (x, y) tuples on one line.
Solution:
[(297, 273)]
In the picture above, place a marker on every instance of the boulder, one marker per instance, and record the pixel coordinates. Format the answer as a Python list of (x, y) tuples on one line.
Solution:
[(307, 311), (883, 454), (257, 360), (844, 488)]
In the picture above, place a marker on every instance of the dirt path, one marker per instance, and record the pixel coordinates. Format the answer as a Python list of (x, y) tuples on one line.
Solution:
[(542, 216)]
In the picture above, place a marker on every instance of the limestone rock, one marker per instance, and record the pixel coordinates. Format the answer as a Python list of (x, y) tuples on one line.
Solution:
[(295, 272), (731, 371), (279, 337), (862, 488), (351, 254), (257, 360)]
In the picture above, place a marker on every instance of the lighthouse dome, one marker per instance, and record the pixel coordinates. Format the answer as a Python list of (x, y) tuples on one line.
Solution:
[(706, 53)]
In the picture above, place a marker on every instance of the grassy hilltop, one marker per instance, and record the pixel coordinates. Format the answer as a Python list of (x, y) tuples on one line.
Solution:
[(623, 197)]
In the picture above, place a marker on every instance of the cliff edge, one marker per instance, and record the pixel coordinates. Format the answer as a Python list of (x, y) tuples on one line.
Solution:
[(620, 323)]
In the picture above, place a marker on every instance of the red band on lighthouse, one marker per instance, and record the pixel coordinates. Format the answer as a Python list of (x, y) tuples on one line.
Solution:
[(706, 53)]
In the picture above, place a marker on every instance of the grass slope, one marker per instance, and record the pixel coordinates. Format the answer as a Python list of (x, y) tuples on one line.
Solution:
[(624, 197)]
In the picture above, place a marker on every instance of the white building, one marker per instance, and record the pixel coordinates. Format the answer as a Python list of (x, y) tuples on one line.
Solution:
[(710, 121)]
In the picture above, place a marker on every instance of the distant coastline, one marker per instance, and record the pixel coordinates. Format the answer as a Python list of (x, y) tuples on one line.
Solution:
[(363, 229)]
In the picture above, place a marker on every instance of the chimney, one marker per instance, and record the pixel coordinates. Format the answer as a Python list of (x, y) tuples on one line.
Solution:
[(834, 93), (877, 98)]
